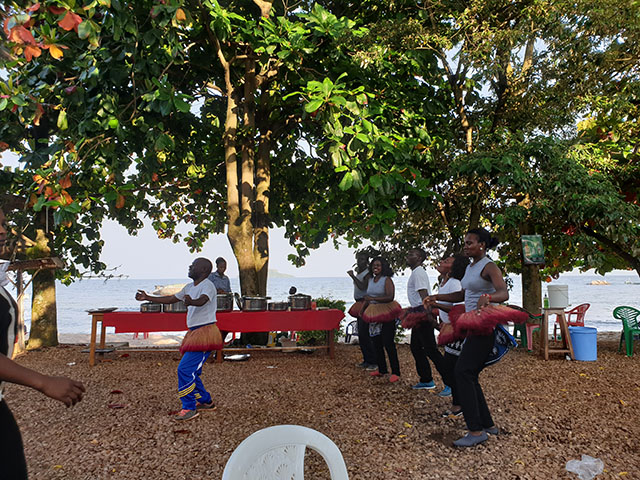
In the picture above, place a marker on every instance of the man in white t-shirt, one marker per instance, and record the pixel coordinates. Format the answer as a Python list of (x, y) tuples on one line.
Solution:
[(423, 341), (203, 336)]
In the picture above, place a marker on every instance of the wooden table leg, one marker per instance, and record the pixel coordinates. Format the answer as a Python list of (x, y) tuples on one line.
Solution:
[(566, 337), (331, 343), (92, 341), (219, 356), (544, 336)]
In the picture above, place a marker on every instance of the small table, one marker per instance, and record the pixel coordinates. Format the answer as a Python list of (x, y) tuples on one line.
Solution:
[(234, 321), (566, 347)]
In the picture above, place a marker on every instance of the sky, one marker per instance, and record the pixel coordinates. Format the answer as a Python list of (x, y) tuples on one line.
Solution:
[(146, 256)]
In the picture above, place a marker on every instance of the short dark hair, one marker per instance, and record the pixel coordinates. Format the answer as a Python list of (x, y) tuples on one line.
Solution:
[(219, 260), (421, 253), (459, 266), (386, 268), (484, 237), (206, 265)]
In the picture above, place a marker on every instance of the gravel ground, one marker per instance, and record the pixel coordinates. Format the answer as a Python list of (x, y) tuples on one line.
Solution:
[(548, 412)]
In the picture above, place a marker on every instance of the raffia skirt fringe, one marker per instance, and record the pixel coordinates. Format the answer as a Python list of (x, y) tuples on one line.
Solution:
[(356, 308), (414, 316), (203, 339), (382, 312), (478, 322)]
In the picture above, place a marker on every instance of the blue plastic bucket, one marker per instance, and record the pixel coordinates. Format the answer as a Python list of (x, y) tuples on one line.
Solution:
[(585, 343)]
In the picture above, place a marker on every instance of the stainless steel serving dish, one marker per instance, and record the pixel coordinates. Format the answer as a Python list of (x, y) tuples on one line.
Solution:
[(225, 302), (300, 301), (278, 306), (251, 304), (150, 307), (177, 307)]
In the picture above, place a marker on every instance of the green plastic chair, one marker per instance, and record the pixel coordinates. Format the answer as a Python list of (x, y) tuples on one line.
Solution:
[(630, 327)]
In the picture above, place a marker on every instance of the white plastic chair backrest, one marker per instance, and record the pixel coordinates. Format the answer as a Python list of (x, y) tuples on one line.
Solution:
[(277, 453)]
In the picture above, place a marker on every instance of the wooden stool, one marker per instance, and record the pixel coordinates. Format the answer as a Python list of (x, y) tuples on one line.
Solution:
[(567, 347)]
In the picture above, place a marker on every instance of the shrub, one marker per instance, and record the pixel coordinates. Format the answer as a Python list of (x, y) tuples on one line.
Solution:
[(318, 337)]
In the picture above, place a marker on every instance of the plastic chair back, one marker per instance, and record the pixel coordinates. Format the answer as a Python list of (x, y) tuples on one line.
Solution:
[(629, 317), (575, 316), (351, 331), (278, 453)]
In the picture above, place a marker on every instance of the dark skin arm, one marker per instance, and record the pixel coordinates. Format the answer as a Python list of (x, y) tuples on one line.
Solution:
[(361, 284), (454, 297), (62, 389), (143, 296), (389, 293), (493, 274), (200, 301)]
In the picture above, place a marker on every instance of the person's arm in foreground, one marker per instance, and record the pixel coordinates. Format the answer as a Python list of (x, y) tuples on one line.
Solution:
[(63, 389), (143, 296), (200, 301), (454, 297)]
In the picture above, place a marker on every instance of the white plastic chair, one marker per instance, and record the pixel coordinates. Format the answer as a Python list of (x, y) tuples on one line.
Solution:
[(277, 453)]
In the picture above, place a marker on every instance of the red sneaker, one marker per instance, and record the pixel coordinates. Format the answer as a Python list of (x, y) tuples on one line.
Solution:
[(394, 378), (375, 373), (183, 414)]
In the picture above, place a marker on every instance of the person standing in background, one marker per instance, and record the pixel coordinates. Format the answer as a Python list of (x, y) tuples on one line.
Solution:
[(423, 341), (202, 338), (219, 279), (381, 313), (360, 281)]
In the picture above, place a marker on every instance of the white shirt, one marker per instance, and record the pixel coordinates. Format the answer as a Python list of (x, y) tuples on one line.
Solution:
[(359, 294), (419, 280), (205, 314), (452, 285)]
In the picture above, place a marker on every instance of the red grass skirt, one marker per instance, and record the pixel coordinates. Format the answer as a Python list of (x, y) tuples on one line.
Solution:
[(483, 322), (203, 339), (356, 309), (414, 316), (448, 333), (382, 312)]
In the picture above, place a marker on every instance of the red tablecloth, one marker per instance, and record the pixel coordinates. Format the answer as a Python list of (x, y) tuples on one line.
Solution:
[(236, 321)]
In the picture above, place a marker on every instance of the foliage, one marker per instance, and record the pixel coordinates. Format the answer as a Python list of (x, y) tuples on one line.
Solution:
[(315, 337)]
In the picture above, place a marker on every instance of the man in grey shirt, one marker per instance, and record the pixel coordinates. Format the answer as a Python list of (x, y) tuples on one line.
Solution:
[(219, 279)]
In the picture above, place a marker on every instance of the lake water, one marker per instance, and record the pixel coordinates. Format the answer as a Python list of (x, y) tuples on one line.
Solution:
[(74, 300)]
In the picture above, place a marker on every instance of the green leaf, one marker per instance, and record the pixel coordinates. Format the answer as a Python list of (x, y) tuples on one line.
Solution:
[(313, 105), (346, 182), (62, 120)]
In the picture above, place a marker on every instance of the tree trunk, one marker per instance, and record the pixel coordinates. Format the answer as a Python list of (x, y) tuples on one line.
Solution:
[(44, 317), (531, 288), (531, 284)]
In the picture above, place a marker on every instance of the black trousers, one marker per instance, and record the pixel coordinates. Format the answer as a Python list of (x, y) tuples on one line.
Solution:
[(449, 377), (364, 341), (386, 341), (13, 465), (424, 347), (474, 353)]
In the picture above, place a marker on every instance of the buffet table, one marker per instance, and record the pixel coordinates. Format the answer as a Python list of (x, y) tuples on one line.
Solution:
[(234, 321)]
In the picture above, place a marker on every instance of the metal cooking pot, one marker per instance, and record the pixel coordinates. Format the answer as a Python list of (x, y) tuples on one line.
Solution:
[(300, 301), (149, 307), (278, 306), (177, 307), (252, 304), (225, 302)]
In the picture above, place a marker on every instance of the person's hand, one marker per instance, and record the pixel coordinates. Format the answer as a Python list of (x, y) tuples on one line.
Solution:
[(483, 301), (141, 295), (63, 389), (187, 300), (429, 301), (350, 273)]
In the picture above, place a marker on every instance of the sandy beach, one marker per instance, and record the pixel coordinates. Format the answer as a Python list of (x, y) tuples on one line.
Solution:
[(548, 413)]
